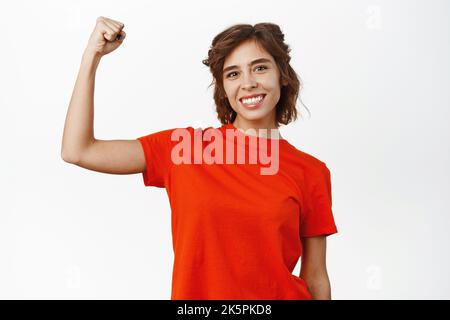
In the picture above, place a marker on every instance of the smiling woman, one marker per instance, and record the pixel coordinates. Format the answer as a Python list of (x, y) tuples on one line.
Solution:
[(239, 233), (238, 229)]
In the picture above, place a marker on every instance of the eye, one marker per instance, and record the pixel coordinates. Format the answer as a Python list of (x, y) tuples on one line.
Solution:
[(261, 66), (228, 75)]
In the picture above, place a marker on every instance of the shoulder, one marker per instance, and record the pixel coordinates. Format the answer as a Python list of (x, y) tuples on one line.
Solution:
[(307, 161), (171, 133)]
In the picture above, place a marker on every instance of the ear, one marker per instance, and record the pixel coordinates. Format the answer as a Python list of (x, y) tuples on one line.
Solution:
[(284, 82)]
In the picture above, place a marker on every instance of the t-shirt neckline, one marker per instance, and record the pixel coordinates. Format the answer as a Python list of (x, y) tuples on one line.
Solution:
[(242, 133)]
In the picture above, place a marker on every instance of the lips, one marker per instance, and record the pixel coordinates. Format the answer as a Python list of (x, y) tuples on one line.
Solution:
[(252, 96), (253, 106)]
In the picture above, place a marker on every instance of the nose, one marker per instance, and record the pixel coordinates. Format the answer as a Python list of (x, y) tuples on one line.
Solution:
[(248, 82)]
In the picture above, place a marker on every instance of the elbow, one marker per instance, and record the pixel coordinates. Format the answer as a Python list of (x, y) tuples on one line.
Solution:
[(69, 157), (73, 155)]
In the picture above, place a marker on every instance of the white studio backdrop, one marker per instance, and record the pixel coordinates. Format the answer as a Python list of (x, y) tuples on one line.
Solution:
[(376, 76)]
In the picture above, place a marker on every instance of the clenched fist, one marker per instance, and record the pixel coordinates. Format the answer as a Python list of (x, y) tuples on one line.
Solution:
[(106, 37)]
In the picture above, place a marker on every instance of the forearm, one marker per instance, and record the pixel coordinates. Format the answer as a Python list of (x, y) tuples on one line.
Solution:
[(319, 287), (79, 123)]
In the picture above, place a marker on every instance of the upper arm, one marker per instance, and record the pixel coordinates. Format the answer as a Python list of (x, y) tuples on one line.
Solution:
[(313, 261), (112, 156)]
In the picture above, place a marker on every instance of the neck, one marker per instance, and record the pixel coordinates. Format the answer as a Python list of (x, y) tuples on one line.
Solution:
[(263, 128)]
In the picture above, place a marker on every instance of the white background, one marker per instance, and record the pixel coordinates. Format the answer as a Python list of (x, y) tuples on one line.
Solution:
[(376, 79)]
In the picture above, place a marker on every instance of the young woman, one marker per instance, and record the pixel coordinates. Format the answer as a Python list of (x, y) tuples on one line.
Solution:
[(237, 233)]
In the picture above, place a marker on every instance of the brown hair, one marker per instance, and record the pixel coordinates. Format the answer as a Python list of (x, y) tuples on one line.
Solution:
[(271, 38)]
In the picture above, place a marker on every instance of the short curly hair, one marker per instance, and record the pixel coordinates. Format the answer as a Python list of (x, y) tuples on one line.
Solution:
[(271, 38)]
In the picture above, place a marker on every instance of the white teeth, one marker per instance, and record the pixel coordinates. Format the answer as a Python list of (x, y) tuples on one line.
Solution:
[(252, 100)]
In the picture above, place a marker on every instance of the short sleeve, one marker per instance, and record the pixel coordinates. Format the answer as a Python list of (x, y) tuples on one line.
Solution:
[(157, 150), (317, 218)]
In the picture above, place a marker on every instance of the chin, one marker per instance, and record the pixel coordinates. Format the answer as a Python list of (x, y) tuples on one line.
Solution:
[(253, 117), (255, 114)]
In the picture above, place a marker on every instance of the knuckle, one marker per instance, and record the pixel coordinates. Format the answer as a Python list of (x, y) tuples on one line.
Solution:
[(118, 23)]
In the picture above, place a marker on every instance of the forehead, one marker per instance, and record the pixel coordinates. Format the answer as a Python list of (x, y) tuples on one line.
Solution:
[(246, 52)]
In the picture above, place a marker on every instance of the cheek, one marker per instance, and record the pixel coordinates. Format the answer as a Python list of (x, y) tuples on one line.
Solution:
[(274, 90), (231, 92), (273, 83), (270, 83)]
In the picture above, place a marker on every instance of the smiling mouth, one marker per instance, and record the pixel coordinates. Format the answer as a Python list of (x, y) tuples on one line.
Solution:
[(252, 103)]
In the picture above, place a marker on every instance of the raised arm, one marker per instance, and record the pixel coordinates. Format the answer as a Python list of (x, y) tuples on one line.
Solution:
[(79, 146)]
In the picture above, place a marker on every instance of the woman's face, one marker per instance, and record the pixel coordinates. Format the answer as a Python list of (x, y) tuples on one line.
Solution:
[(247, 78)]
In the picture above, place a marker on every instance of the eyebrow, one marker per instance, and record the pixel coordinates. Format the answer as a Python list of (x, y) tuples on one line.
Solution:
[(260, 60)]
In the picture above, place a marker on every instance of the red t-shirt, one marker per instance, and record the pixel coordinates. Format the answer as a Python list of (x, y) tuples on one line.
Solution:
[(236, 232)]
